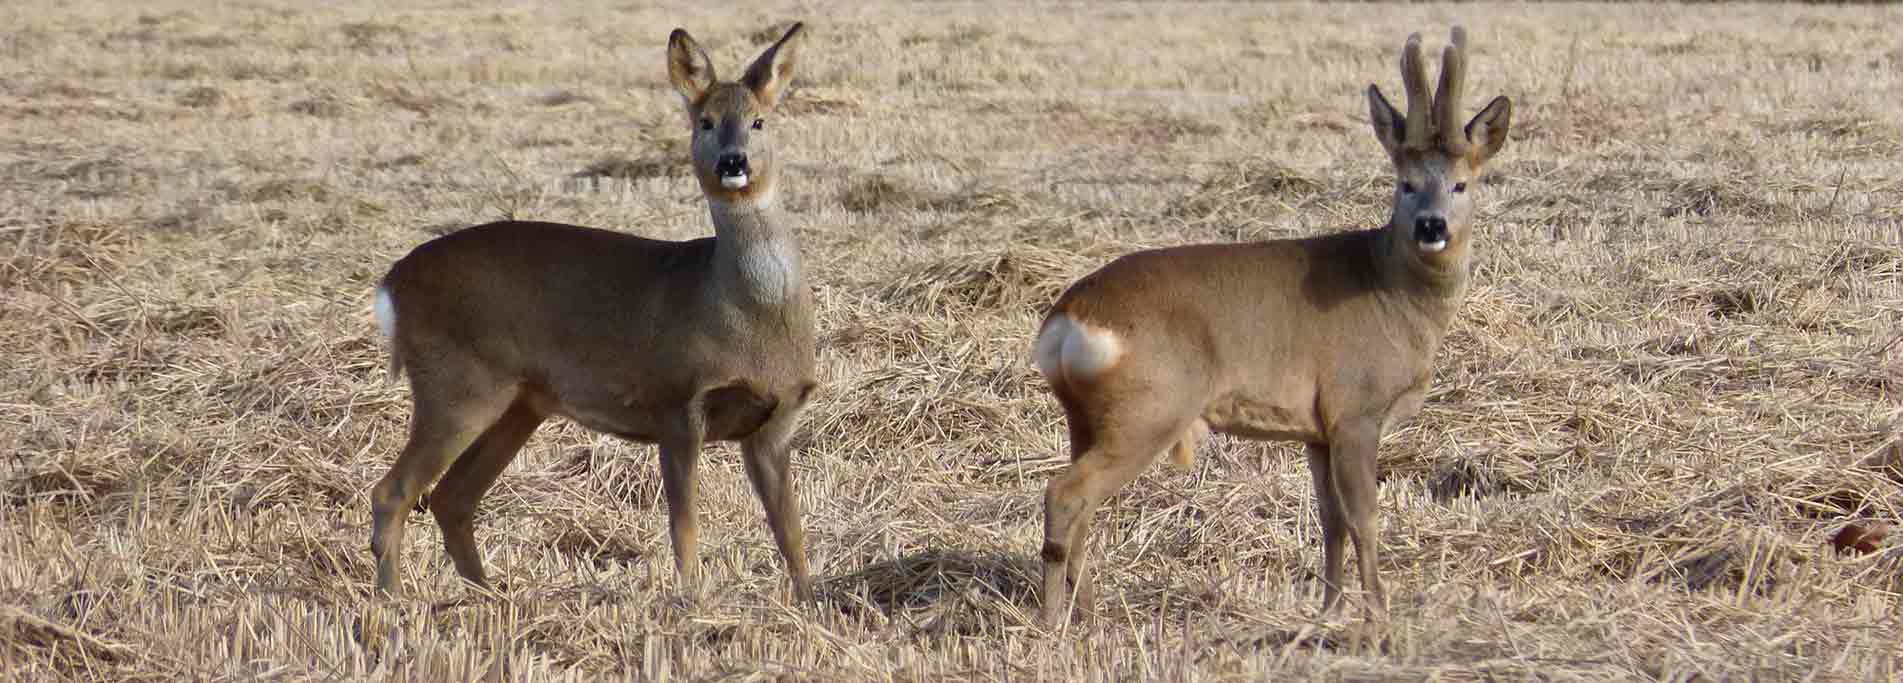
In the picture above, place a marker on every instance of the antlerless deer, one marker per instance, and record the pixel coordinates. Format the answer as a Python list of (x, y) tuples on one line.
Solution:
[(500, 326)]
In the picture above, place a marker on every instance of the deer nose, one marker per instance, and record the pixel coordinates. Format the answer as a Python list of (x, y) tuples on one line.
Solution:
[(1429, 229), (731, 165)]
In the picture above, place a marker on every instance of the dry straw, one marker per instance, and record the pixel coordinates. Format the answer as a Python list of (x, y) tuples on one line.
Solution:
[(1675, 378)]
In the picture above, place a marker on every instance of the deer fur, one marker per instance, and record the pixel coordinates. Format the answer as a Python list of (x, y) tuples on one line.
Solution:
[(501, 326), (1327, 340)]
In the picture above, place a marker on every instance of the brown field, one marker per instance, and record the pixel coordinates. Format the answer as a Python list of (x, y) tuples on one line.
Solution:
[(1675, 380)]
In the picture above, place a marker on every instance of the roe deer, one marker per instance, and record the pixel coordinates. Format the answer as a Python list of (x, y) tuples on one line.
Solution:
[(673, 343), (1327, 340)]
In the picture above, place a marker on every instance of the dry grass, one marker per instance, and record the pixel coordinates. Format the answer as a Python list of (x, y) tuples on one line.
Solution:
[(1676, 378)]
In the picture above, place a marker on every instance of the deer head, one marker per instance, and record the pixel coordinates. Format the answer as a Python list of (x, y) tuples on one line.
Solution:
[(1437, 162), (733, 157)]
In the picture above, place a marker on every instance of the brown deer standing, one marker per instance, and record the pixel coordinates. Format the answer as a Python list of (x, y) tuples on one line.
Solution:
[(1327, 340), (674, 343)]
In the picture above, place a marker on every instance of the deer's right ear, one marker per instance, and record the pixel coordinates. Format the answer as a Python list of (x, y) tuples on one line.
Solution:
[(688, 67), (1390, 127)]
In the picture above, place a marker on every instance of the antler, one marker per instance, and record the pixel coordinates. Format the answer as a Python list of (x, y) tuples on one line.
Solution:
[(1453, 74), (1414, 76), (1435, 120)]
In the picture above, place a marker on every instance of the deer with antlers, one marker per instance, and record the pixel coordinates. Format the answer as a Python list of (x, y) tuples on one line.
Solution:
[(1326, 340), (501, 326)]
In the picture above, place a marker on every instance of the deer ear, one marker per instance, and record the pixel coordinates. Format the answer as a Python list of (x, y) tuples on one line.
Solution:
[(1487, 132), (688, 67), (773, 70), (1390, 127)]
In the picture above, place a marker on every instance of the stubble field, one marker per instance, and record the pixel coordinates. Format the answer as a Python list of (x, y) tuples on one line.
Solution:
[(1674, 381)]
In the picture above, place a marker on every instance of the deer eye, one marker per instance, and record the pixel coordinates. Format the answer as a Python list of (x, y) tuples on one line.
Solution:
[(1407, 188), (759, 123), (706, 124), (1460, 188)]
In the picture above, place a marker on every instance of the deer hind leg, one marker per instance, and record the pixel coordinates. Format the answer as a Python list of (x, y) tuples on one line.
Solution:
[(767, 455), (454, 499), (1115, 458), (1352, 469), (451, 408), (1334, 527), (1183, 454)]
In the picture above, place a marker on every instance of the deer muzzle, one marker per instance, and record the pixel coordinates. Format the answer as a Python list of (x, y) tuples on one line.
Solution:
[(1430, 232), (732, 170)]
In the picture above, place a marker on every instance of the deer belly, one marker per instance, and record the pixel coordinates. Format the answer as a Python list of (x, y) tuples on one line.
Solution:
[(728, 413), (630, 425), (1251, 418)]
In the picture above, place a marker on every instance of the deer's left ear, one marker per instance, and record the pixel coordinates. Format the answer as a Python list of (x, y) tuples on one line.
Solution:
[(1488, 129), (773, 70)]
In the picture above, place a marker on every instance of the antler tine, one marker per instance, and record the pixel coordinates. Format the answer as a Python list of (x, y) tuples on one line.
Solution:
[(1414, 76), (1453, 75)]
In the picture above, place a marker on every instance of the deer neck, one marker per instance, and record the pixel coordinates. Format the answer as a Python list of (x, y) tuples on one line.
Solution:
[(1436, 284), (756, 258)]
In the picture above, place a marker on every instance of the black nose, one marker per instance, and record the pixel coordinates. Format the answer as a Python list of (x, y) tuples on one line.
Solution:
[(730, 165), (1430, 229)]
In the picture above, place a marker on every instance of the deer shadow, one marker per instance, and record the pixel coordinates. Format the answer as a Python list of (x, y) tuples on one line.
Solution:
[(936, 580)]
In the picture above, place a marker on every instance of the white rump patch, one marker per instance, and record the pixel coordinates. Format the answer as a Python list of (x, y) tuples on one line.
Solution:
[(1435, 245), (385, 309), (733, 182), (1049, 352), (1067, 347)]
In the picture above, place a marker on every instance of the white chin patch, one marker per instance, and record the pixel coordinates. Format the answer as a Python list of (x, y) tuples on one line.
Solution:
[(1433, 246), (733, 182)]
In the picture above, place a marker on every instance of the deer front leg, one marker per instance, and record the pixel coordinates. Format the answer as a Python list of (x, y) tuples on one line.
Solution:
[(680, 458), (767, 455), (1352, 469), (1334, 527)]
